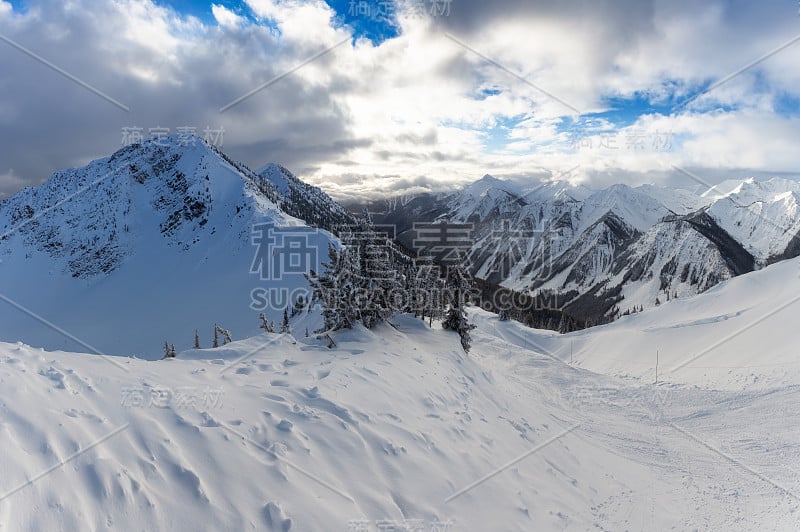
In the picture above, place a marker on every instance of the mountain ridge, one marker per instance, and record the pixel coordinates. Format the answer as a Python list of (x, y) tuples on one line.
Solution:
[(605, 241), (161, 224)]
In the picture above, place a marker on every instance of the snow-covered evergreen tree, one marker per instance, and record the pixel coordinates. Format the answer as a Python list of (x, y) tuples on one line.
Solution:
[(432, 290), (216, 336), (196, 340), (369, 278), (458, 286), (264, 324), (226, 335), (285, 322), (298, 306), (335, 288), (379, 280), (367, 217)]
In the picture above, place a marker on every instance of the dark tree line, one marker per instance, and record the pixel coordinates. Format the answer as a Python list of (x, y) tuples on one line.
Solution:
[(542, 311), (368, 278)]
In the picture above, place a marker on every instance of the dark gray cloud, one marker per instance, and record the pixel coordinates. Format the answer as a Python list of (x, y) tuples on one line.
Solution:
[(171, 71), (626, 18), (50, 122)]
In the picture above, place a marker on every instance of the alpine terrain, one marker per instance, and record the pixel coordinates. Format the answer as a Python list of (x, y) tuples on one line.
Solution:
[(189, 344)]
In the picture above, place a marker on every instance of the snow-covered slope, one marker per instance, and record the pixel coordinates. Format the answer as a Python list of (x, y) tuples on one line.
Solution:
[(737, 335), (304, 201), (395, 427), (147, 245), (638, 210)]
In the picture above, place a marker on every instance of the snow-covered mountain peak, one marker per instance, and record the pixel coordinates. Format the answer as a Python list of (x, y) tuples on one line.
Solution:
[(484, 198), (639, 210), (90, 219), (559, 191), (726, 188), (678, 200), (770, 190), (278, 175), (168, 222), (489, 184)]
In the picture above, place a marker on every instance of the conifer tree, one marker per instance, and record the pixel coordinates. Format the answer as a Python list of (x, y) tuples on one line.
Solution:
[(298, 306), (226, 335), (378, 279), (285, 322), (335, 288), (458, 285), (196, 340), (216, 336), (369, 277), (367, 217)]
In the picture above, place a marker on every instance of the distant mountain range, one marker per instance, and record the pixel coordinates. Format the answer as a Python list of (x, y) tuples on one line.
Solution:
[(599, 254), (161, 239)]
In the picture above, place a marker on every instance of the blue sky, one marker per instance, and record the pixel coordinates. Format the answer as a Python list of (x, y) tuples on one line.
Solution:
[(365, 17), (377, 26)]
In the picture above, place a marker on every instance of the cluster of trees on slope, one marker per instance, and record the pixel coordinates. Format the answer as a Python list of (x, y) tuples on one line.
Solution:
[(369, 278), (542, 311), (169, 349)]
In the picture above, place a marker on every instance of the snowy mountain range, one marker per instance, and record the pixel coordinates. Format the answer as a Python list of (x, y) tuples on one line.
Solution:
[(602, 253), (178, 231)]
